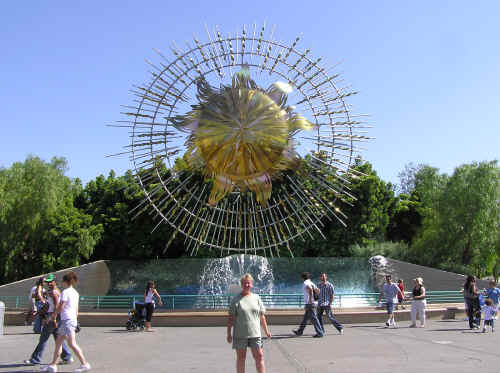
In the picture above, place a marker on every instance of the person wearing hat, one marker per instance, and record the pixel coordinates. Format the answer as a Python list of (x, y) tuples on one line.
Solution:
[(49, 327)]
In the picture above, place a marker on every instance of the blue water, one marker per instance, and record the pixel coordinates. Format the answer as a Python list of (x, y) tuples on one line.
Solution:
[(217, 275)]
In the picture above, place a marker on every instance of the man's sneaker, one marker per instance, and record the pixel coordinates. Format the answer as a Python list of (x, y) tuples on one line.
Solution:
[(297, 333), (341, 331), (31, 362), (50, 368), (317, 336), (84, 368), (65, 362), (387, 323)]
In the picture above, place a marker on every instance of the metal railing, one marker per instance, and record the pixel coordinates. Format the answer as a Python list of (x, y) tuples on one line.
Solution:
[(214, 302)]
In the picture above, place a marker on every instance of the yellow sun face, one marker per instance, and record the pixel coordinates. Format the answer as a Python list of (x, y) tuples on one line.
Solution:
[(242, 137)]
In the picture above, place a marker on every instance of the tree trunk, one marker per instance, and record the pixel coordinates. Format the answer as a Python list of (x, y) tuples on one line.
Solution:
[(466, 257)]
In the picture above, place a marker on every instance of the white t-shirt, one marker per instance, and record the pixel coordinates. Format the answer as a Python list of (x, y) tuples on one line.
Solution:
[(32, 292), (70, 298), (308, 284)]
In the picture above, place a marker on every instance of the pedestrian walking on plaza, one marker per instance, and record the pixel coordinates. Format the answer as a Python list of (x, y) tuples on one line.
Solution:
[(48, 327), (149, 302), (310, 305), (325, 302), (390, 290), (246, 315), (68, 311), (471, 297), (38, 298), (490, 311), (418, 304)]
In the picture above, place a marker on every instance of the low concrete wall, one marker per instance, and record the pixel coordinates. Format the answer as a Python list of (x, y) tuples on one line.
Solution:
[(95, 279), (274, 317)]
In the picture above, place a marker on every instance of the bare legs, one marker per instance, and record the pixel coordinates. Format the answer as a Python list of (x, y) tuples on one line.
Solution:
[(241, 356), (148, 326), (258, 356), (72, 344)]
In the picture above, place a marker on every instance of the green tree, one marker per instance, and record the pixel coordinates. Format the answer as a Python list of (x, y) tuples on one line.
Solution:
[(40, 229), (131, 231), (366, 213), (462, 228)]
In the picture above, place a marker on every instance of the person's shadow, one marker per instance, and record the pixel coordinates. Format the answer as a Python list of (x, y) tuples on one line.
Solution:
[(279, 336), (5, 366)]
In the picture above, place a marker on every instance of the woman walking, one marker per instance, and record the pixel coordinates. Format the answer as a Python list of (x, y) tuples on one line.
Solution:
[(38, 295), (48, 327), (246, 315), (68, 309), (418, 304), (471, 297), (149, 302)]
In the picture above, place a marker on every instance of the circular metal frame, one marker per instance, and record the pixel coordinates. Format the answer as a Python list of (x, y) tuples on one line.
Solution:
[(238, 223)]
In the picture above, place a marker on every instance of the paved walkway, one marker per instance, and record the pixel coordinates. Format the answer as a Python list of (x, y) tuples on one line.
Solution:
[(444, 346)]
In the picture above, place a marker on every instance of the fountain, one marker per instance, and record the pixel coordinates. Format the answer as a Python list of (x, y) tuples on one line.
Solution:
[(220, 274)]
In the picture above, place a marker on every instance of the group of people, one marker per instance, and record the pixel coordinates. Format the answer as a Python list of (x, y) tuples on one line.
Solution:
[(395, 294), (58, 314), (473, 299), (318, 299), (474, 306), (247, 315)]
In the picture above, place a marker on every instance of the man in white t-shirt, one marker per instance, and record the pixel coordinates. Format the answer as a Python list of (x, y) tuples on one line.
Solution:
[(311, 304)]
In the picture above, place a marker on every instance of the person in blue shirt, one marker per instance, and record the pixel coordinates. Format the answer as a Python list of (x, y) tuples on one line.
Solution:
[(493, 293), (390, 290)]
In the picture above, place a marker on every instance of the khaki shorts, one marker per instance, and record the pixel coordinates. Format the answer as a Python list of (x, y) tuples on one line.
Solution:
[(244, 343)]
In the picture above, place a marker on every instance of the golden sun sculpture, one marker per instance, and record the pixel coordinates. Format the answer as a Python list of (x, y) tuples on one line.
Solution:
[(232, 166), (242, 135)]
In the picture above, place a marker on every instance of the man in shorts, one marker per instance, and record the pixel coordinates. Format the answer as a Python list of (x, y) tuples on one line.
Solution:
[(390, 290)]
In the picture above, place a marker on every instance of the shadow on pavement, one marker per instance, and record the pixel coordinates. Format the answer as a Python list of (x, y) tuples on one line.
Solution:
[(5, 366), (280, 336), (13, 365), (449, 330), (24, 333)]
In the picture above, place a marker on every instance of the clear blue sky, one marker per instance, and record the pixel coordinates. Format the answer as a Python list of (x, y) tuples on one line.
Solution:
[(428, 72)]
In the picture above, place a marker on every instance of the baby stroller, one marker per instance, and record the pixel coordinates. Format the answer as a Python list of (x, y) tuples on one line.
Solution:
[(136, 317)]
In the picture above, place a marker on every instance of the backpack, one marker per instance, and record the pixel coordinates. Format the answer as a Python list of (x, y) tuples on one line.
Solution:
[(316, 292)]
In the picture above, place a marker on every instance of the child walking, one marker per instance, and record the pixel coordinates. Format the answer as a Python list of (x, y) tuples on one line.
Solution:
[(490, 311)]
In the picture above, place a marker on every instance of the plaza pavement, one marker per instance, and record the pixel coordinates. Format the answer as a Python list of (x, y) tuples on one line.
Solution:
[(443, 346)]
